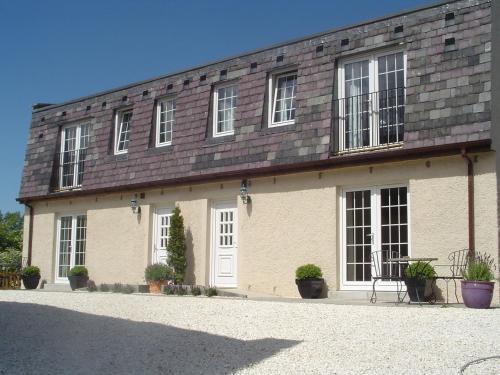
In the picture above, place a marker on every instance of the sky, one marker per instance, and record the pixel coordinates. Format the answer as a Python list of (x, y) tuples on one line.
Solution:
[(53, 51)]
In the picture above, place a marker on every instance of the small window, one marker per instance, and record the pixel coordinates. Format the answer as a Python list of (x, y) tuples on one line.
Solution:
[(224, 110), (122, 131), (165, 118), (282, 89)]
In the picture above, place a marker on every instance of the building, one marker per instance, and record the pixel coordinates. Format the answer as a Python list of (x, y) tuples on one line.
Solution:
[(380, 135)]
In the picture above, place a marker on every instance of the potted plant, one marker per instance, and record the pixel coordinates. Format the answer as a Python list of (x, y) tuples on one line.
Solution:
[(478, 284), (30, 276), (157, 275), (309, 281), (78, 277), (416, 276)]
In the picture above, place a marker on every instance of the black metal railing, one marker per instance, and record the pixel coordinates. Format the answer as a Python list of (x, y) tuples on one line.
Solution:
[(370, 120), (69, 168)]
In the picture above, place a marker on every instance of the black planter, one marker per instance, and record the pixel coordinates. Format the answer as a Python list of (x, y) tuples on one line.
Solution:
[(31, 282), (77, 282), (310, 288), (416, 289)]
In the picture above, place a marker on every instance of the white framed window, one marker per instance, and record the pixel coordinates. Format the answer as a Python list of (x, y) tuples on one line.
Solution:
[(224, 104), (122, 131), (165, 119), (375, 221), (75, 140), (282, 92), (71, 244), (371, 93), (161, 235)]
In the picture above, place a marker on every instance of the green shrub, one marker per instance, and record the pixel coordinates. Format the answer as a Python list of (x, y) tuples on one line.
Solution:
[(104, 288), (308, 271), (29, 271), (10, 260), (169, 290), (128, 289), (78, 271), (117, 288), (181, 291), (210, 292), (176, 246), (420, 270), (195, 291), (91, 287), (157, 272), (479, 268)]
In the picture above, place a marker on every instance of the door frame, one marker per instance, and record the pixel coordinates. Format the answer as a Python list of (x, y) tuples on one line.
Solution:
[(74, 218), (214, 206), (155, 229), (376, 239)]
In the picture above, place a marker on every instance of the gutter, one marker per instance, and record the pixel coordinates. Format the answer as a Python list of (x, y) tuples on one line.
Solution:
[(30, 233), (470, 201)]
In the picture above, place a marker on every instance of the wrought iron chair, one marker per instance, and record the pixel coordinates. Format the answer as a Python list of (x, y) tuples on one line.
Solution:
[(386, 270), (458, 261)]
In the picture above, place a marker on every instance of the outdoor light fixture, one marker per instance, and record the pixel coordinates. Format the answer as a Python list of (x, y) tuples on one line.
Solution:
[(136, 209), (244, 192)]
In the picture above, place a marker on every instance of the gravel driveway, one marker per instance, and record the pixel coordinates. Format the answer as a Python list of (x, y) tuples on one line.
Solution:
[(97, 333)]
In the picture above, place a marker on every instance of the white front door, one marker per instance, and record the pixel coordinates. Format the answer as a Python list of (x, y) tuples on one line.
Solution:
[(71, 243), (225, 245), (373, 219), (162, 226)]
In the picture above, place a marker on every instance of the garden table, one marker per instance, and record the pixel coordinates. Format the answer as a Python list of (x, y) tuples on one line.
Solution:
[(427, 260)]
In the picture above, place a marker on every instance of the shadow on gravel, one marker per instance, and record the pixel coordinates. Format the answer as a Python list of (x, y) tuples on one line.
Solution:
[(48, 340)]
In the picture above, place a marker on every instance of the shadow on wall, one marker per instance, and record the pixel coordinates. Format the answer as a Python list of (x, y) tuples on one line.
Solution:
[(48, 340), (190, 278)]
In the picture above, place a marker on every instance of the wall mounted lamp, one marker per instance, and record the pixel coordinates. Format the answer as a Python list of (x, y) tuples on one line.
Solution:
[(136, 209), (245, 198)]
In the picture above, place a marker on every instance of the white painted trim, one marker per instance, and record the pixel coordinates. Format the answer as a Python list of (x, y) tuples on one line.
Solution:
[(157, 127), (78, 133), (272, 90), (118, 128), (215, 112), (74, 218), (156, 215)]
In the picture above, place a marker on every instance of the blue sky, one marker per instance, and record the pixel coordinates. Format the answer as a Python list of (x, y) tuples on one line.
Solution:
[(53, 51)]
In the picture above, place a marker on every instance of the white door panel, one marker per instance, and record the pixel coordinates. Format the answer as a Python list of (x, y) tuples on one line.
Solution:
[(225, 245)]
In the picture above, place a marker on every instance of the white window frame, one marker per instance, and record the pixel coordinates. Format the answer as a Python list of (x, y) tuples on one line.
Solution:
[(373, 87), (164, 211), (215, 111), (376, 230), (76, 168), (273, 91), (158, 116), (118, 129), (74, 219)]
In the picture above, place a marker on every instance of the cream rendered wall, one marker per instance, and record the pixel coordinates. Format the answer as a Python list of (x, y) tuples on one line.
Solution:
[(292, 220)]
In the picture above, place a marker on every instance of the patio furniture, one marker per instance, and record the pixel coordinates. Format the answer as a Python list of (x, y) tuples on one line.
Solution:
[(385, 269), (458, 262)]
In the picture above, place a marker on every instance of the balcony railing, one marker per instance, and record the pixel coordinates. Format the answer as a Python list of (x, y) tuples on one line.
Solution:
[(370, 120), (69, 167)]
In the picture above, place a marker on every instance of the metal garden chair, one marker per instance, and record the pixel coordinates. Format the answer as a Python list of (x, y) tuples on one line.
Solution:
[(458, 262), (386, 270)]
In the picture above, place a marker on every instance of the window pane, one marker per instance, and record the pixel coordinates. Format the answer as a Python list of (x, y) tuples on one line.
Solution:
[(284, 98), (165, 121)]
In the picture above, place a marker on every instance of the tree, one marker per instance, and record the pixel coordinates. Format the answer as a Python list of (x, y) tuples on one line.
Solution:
[(11, 231), (176, 246)]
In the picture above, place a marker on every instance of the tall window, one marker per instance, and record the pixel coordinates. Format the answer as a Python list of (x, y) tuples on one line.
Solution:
[(165, 118), (72, 235), (122, 131), (282, 91), (372, 101), (224, 110), (74, 143)]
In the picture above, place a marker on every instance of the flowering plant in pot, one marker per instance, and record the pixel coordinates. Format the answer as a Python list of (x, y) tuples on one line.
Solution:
[(309, 281), (478, 284), (78, 277), (416, 276), (30, 276), (157, 275)]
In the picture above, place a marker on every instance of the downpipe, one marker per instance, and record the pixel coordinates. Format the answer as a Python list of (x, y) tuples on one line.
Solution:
[(470, 200), (30, 233)]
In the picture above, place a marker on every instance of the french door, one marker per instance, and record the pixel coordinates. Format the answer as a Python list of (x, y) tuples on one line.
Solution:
[(74, 143), (162, 229), (373, 219), (71, 244)]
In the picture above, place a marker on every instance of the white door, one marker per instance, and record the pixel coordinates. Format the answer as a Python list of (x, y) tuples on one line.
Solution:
[(225, 245), (373, 219), (71, 243), (162, 227)]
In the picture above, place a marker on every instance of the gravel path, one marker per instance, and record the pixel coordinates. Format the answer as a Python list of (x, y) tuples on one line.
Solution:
[(97, 333)]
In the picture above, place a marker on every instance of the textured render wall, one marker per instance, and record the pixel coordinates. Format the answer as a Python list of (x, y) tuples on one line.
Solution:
[(292, 220), (44, 240), (448, 101)]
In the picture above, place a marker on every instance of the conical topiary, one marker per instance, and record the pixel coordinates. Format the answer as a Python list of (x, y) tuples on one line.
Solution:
[(176, 246)]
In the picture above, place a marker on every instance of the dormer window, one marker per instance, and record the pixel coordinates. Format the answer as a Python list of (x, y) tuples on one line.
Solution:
[(122, 131), (224, 110), (71, 161), (165, 118), (282, 92)]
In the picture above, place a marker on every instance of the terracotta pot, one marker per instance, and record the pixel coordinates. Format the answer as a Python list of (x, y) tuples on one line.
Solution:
[(155, 286), (477, 294), (310, 288)]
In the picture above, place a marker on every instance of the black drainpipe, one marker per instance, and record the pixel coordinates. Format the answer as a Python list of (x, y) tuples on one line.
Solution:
[(30, 233), (470, 199)]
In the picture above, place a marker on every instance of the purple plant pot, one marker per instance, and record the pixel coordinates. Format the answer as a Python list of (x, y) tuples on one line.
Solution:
[(477, 294)]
